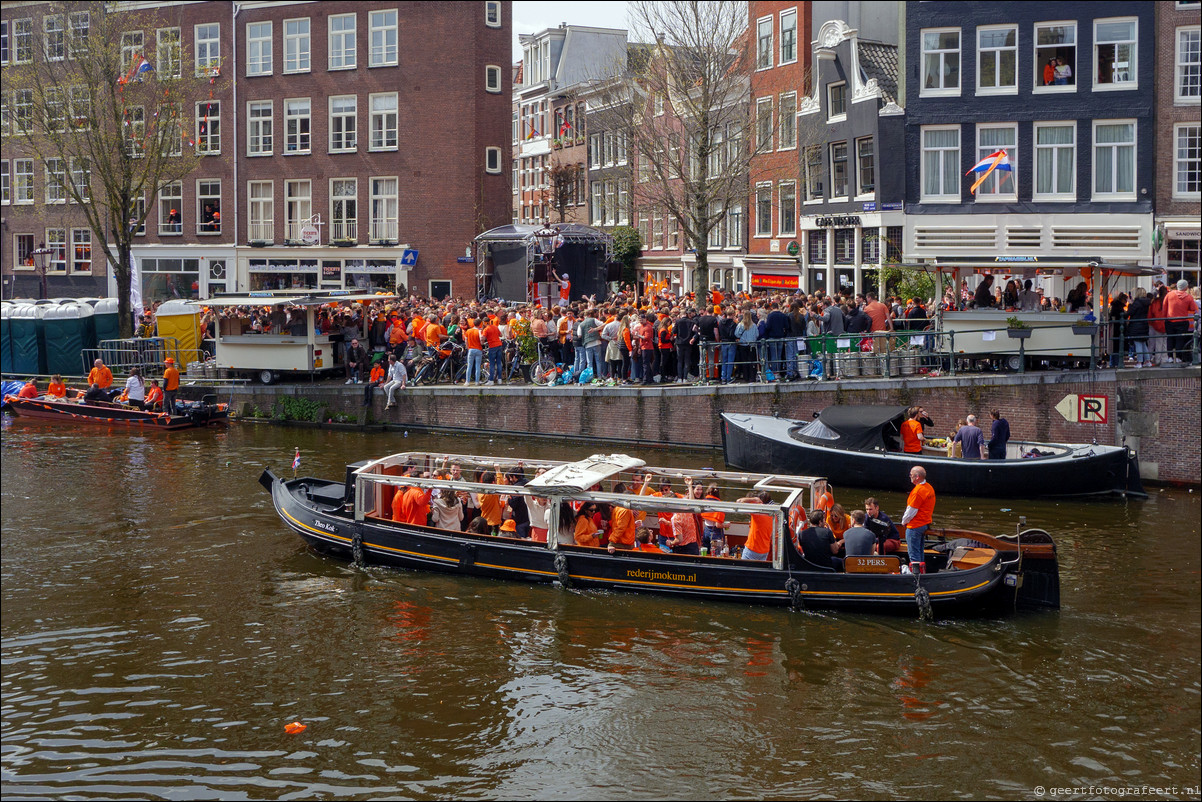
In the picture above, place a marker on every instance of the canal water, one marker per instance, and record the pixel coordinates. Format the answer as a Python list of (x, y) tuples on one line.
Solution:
[(161, 627)]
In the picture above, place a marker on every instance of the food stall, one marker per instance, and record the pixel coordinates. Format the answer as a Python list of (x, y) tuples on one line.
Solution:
[(268, 357)]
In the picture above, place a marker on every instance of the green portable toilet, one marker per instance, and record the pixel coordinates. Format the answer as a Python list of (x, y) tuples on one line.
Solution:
[(6, 339), (29, 352), (66, 331), (105, 321)]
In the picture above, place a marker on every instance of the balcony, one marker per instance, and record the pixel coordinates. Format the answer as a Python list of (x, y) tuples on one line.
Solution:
[(344, 232), (261, 233), (384, 232)]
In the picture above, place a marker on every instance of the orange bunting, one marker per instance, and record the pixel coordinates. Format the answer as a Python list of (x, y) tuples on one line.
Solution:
[(294, 727)]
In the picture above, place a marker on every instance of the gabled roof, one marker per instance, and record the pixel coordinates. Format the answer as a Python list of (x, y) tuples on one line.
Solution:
[(879, 61)]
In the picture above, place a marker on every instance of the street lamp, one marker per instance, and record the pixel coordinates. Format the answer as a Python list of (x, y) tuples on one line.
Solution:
[(39, 257)]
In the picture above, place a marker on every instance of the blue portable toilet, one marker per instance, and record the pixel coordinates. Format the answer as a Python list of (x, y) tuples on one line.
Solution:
[(67, 331), (6, 339), (29, 351)]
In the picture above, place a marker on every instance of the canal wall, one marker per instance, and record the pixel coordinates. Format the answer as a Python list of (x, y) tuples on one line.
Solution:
[(1158, 413)]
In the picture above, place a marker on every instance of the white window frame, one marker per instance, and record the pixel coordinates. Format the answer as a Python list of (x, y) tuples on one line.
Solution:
[(997, 51), (861, 192), (298, 46), (135, 123), (339, 119), (208, 142), (1054, 197), (5, 43), (760, 48), (77, 35), (831, 115), (207, 195), (384, 228), (56, 238), (259, 56), (165, 201), (787, 140), (1037, 78), (298, 126), (80, 237), (206, 51), (955, 167), (940, 91), (1180, 66), (254, 124), (23, 182), (760, 189), (492, 160), (260, 226), (1178, 130), (22, 40), (344, 226), (1134, 145), (169, 51), (5, 184), (338, 45), (493, 80), (786, 224), (492, 13), (761, 129), (54, 37), (133, 44), (298, 207), (784, 26), (388, 57), (734, 226), (55, 179), (1133, 81), (846, 194), (383, 116), (1011, 195), (810, 181), (81, 179)]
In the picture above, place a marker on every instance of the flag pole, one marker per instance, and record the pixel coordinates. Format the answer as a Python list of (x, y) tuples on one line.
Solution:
[(295, 462)]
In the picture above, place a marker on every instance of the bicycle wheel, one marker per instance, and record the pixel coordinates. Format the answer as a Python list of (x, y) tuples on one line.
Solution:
[(543, 372)]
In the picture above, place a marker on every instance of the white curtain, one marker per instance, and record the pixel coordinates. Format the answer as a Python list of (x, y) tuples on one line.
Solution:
[(1114, 158), (1054, 161)]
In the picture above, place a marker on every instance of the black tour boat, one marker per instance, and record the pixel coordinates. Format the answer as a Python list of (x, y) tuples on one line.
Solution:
[(968, 573), (860, 446)]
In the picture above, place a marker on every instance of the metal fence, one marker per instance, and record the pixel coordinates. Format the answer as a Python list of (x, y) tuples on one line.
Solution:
[(145, 353)]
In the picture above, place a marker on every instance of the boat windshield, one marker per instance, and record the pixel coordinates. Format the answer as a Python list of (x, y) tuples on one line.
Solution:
[(817, 430)]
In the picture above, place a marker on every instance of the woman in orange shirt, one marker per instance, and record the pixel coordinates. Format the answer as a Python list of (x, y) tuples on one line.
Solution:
[(585, 533), (491, 508), (837, 520), (57, 388)]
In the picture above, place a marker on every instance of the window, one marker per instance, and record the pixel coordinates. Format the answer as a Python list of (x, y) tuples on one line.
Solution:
[(384, 121), (865, 167), (54, 37), (594, 151), (208, 206), (80, 100), (260, 219), (298, 208), (77, 41), (788, 209), (296, 45), (839, 176), (788, 36), (81, 250), (297, 124), (384, 210), (22, 181), (344, 209), (5, 186), (845, 246), (56, 109), (137, 216), (23, 245), (716, 164), (492, 79), (836, 101), (997, 60), (56, 242), (208, 48), (259, 127), (788, 122), (1115, 50), (22, 41), (941, 62), (1056, 54), (56, 181), (131, 49), (23, 111), (715, 235), (870, 246), (1055, 161), (492, 160), (763, 123), (813, 164), (1114, 159), (383, 38), (258, 48), (171, 208), (941, 163), (342, 42), (1187, 161), (763, 38), (623, 202), (4, 52), (492, 14), (81, 180), (1187, 83), (1000, 184), (763, 210), (734, 227), (343, 109), (135, 131), (817, 243), (168, 54), (208, 127)]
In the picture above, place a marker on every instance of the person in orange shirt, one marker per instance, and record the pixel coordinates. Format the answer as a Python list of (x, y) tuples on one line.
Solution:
[(824, 499), (621, 524), (170, 385), (415, 505), (759, 534), (377, 377), (30, 390), (911, 432), (920, 507), (154, 396), (585, 532), (837, 520), (102, 377), (57, 388), (665, 518), (496, 350), (475, 354), (491, 508), (643, 538), (434, 334), (713, 525)]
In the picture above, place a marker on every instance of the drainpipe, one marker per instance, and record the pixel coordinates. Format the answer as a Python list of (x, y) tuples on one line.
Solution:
[(234, 9)]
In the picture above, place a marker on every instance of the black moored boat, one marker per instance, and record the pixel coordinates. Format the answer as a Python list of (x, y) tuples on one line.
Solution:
[(351, 519), (189, 414), (860, 446)]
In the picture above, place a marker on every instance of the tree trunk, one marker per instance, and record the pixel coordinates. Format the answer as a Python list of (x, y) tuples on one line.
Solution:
[(121, 273)]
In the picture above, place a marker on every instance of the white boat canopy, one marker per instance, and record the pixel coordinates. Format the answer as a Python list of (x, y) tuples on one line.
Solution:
[(583, 474)]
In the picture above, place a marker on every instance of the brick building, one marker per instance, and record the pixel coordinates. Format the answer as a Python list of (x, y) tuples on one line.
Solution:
[(338, 138), (1178, 233)]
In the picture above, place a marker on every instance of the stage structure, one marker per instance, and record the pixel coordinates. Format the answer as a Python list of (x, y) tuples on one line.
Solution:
[(523, 263)]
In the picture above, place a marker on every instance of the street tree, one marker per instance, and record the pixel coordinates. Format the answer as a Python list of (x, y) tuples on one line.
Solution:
[(104, 98), (561, 190)]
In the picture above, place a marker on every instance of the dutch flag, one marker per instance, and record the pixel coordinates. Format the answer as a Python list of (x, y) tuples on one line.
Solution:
[(994, 161), (296, 460)]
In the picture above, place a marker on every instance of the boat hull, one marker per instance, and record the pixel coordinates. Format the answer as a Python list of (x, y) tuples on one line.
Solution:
[(762, 443), (312, 508), (68, 412)]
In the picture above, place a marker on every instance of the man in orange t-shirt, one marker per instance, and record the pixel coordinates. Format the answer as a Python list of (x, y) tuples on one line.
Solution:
[(30, 390), (475, 353), (102, 377), (911, 432), (496, 350), (759, 534), (920, 506), (170, 385)]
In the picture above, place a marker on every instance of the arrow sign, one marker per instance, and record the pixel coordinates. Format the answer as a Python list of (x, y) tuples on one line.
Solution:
[(409, 257), (1068, 408)]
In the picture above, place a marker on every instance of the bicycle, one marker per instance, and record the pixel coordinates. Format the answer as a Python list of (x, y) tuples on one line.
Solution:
[(545, 371)]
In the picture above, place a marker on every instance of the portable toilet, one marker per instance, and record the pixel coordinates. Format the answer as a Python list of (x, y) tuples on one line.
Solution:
[(25, 325), (106, 321), (6, 339), (181, 320), (67, 331)]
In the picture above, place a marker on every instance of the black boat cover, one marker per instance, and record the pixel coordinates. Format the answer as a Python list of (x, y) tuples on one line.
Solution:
[(853, 428)]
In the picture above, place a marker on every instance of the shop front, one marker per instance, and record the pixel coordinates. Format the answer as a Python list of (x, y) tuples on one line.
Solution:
[(327, 270), (844, 253), (180, 273), (1179, 249)]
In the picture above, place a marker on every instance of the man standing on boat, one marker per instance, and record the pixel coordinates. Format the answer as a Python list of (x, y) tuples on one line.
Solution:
[(970, 439), (170, 385), (917, 518), (911, 432), (998, 436)]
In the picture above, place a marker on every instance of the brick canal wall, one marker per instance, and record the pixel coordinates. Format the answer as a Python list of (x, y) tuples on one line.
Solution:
[(1156, 412)]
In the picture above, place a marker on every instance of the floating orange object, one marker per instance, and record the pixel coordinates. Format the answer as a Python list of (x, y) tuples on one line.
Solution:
[(294, 727)]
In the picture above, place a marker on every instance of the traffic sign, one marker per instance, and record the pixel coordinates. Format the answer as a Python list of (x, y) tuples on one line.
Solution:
[(1083, 408)]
